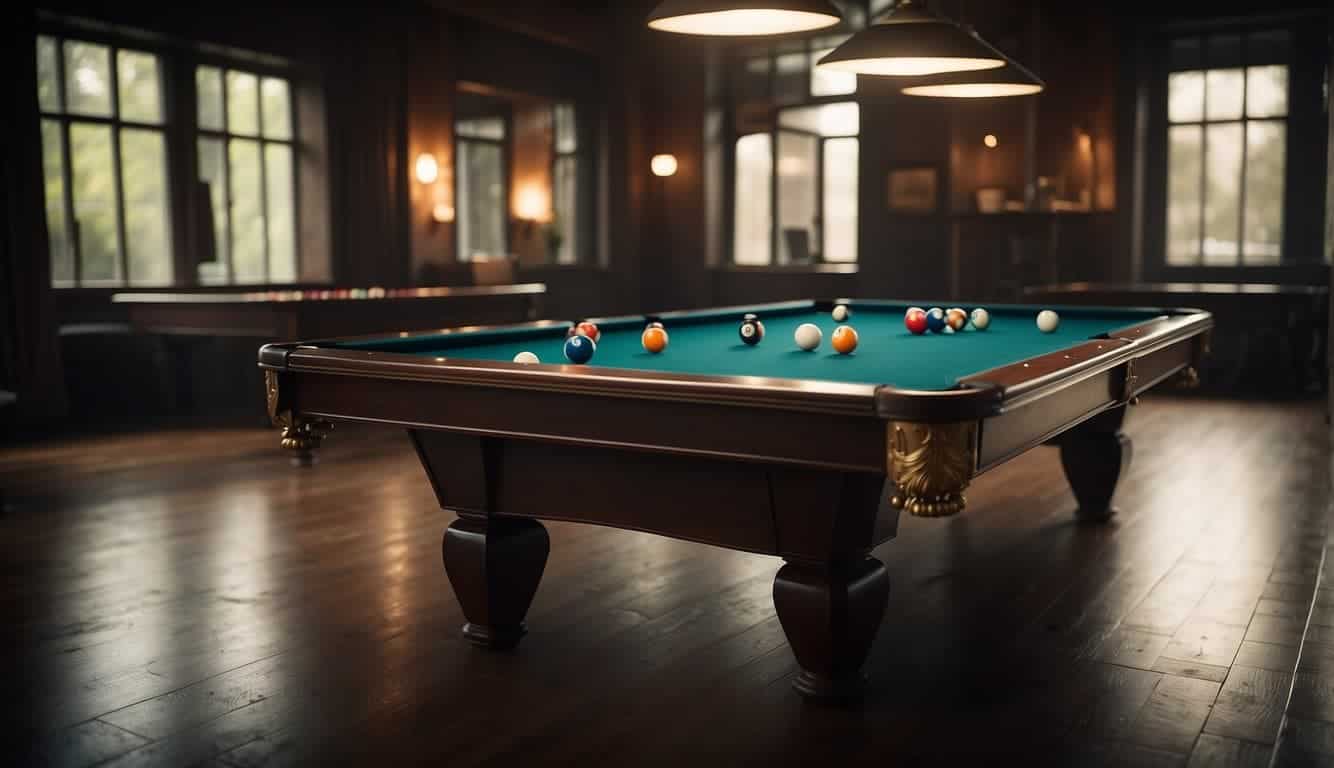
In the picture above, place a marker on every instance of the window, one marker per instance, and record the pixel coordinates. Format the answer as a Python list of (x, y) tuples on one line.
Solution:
[(104, 161), (483, 187), (565, 184), (1227, 128), (246, 169)]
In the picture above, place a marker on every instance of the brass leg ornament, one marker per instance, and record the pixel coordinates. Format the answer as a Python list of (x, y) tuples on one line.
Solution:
[(1186, 378), (931, 465), (299, 434)]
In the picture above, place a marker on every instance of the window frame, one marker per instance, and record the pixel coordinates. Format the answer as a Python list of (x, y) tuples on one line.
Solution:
[(507, 173), (576, 158), (177, 61)]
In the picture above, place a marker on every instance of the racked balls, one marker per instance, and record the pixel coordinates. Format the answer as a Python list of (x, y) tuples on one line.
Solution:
[(751, 332), (654, 339), (579, 349), (844, 340)]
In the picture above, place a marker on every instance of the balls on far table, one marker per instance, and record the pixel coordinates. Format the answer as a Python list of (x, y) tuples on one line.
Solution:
[(841, 313), (956, 319), (654, 324), (981, 319), (588, 329), (749, 317), (915, 320), (654, 339), (527, 358), (844, 340), (751, 332), (1048, 321), (807, 336), (935, 320), (579, 349)]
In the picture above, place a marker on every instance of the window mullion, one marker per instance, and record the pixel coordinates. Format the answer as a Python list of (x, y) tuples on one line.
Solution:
[(75, 235), (263, 173), (227, 182), (116, 169)]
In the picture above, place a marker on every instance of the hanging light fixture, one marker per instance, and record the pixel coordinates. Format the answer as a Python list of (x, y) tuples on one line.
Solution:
[(743, 18), (910, 40), (1009, 80)]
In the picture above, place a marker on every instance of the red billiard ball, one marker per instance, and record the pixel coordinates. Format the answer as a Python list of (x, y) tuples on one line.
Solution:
[(915, 320), (588, 329)]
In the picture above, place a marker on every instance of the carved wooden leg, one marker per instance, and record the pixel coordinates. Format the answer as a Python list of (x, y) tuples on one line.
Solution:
[(494, 565), (1094, 455), (830, 615)]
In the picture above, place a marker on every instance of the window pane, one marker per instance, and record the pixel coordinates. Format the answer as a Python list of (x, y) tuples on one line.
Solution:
[(208, 90), (829, 82), (1266, 145), (482, 128), (143, 158), (48, 93), (840, 200), (88, 79), (1183, 194), (95, 200), (140, 88), (53, 176), (566, 207), (1267, 91), (282, 216), (277, 108), (1185, 96), (247, 248), (567, 140), (1222, 193), (791, 78), (482, 212), (750, 80), (242, 103), (1223, 94), (213, 172), (798, 232), (842, 119), (754, 177)]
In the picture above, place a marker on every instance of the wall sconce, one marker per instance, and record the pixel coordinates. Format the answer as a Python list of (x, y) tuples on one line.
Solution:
[(990, 141), (427, 169), (442, 213), (663, 165)]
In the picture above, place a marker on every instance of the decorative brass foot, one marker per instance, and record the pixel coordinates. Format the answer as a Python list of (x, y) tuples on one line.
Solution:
[(931, 465), (1186, 378), (299, 433)]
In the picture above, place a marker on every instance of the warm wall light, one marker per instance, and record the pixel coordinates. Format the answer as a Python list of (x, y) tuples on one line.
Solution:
[(442, 213), (531, 204), (990, 141), (427, 169), (663, 165), (742, 18)]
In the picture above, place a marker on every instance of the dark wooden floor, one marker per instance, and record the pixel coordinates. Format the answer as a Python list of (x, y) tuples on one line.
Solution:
[(181, 598)]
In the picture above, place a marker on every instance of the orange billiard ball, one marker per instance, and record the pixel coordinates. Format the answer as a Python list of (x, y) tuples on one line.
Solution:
[(844, 339), (654, 339)]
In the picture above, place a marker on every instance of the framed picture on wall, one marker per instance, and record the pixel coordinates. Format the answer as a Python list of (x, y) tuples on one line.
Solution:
[(912, 190)]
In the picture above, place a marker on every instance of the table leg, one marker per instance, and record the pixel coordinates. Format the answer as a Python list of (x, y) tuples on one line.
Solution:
[(831, 614), (494, 565), (1094, 455)]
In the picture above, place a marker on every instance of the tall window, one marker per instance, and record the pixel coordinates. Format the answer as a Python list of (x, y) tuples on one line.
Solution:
[(565, 183), (483, 188), (1227, 128), (104, 160), (246, 163)]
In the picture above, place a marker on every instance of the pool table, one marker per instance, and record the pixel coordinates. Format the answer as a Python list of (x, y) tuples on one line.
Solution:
[(808, 456)]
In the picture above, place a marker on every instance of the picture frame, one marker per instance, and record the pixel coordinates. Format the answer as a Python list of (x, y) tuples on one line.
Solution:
[(913, 190)]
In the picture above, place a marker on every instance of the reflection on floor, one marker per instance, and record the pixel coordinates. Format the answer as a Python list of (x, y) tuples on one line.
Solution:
[(187, 597)]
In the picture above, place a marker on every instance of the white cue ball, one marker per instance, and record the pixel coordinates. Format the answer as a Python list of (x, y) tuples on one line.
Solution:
[(841, 313), (526, 358), (1048, 321), (981, 319), (807, 336)]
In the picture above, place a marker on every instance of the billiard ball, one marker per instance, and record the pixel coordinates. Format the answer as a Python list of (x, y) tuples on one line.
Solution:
[(527, 358), (915, 320), (956, 319), (1048, 321), (654, 324), (654, 339), (807, 336), (579, 349), (841, 313), (935, 319), (588, 329), (844, 340), (981, 319), (749, 317), (751, 332)]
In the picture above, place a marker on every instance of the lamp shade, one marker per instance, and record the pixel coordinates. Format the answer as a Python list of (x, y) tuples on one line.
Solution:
[(1009, 80), (743, 18), (911, 41)]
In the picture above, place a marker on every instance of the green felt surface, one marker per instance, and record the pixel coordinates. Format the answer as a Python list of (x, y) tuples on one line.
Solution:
[(708, 344)]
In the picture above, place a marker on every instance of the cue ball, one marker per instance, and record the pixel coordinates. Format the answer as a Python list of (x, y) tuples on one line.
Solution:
[(527, 358), (807, 336), (751, 332), (1048, 321), (981, 319), (841, 313), (579, 349), (935, 320), (844, 340), (654, 339)]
